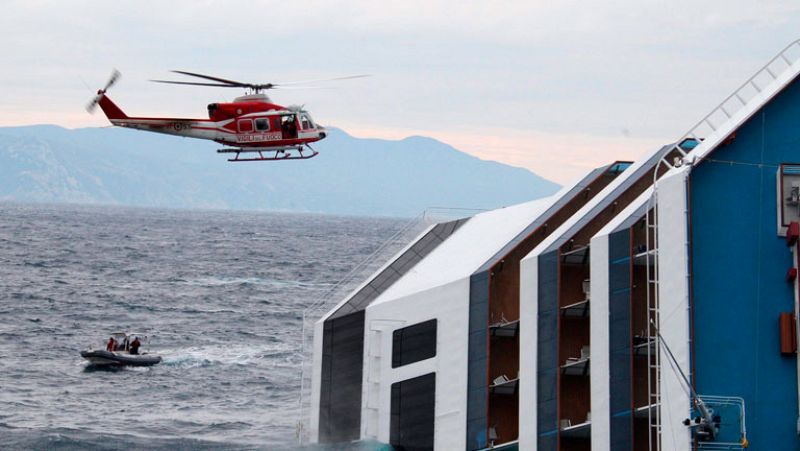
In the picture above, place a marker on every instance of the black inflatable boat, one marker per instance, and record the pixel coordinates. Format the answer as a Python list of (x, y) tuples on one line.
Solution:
[(99, 357), (122, 349)]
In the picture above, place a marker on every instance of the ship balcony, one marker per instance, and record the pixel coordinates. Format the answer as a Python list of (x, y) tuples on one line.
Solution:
[(508, 329), (577, 431), (577, 366), (576, 256), (577, 310), (645, 411), (645, 258), (504, 386), (643, 346)]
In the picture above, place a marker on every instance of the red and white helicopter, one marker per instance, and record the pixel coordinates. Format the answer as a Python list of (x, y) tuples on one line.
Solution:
[(251, 124)]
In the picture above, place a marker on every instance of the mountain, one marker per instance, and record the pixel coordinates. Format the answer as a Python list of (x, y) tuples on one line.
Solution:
[(350, 176)]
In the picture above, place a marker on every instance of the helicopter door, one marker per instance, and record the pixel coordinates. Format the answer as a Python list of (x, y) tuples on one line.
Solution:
[(245, 125), (289, 126)]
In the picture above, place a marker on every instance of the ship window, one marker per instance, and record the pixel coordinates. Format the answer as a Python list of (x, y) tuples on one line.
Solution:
[(414, 343), (412, 413), (262, 125), (788, 196)]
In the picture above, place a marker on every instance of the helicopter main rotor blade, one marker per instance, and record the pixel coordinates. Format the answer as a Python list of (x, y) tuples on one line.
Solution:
[(301, 87), (256, 87), (208, 77), (349, 77), (191, 83)]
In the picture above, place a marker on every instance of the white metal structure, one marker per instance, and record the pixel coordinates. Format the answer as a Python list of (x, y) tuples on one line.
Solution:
[(338, 294), (438, 287)]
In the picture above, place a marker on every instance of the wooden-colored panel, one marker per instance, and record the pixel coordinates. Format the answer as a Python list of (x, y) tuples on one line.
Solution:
[(639, 231), (576, 444), (574, 335), (640, 389), (504, 288), (574, 400), (571, 279), (504, 416), (504, 352), (639, 289), (504, 307), (629, 195), (640, 434)]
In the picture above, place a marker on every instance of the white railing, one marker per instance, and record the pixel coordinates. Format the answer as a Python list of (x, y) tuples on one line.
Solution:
[(785, 61), (731, 430)]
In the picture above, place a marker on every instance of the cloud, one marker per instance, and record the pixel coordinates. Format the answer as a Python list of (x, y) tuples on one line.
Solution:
[(564, 75)]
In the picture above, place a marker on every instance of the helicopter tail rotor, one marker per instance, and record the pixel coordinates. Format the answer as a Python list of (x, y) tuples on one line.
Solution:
[(115, 75)]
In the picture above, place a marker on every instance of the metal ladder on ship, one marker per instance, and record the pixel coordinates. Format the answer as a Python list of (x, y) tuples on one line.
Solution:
[(748, 92), (653, 354)]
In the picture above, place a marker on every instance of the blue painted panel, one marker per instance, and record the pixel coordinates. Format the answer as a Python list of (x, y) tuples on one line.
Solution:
[(619, 323), (546, 390), (478, 440), (622, 432), (547, 338), (547, 346), (739, 264), (548, 410), (477, 379), (478, 391), (478, 316), (547, 442)]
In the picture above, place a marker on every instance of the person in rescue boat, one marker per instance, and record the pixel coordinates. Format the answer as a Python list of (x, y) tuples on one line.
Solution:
[(135, 346), (111, 345)]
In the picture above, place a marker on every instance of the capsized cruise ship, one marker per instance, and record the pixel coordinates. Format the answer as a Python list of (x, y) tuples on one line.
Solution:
[(649, 306)]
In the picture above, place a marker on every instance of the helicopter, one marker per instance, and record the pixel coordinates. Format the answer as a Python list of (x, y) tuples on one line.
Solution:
[(252, 127)]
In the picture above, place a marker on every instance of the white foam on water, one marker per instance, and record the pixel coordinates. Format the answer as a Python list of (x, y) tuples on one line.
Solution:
[(221, 355)]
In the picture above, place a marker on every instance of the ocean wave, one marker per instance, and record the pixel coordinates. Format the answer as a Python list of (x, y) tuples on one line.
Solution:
[(64, 439), (221, 355), (218, 281), (223, 308)]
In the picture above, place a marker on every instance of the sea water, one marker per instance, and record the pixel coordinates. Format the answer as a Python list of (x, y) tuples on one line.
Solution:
[(219, 294)]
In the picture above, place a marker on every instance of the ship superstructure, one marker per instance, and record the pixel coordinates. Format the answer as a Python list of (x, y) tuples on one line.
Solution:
[(650, 306)]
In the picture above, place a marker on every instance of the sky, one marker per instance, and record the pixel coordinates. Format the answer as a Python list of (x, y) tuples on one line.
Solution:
[(555, 87)]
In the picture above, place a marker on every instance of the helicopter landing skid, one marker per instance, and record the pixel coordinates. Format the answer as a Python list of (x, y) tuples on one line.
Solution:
[(272, 153)]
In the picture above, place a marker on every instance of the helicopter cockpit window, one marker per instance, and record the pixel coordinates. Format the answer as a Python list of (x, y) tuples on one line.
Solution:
[(262, 125), (305, 122)]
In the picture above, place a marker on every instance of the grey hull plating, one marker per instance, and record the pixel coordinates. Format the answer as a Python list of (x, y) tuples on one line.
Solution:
[(113, 358)]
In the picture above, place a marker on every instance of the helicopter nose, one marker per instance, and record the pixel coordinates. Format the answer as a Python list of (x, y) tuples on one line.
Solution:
[(322, 132)]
